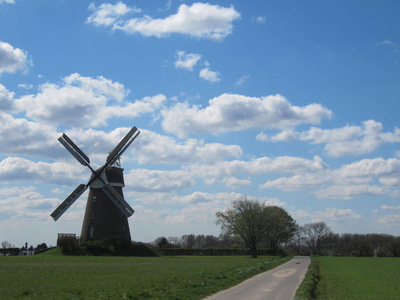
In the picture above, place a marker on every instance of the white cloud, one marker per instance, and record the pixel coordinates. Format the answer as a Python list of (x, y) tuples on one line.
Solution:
[(346, 192), (25, 86), (232, 112), (242, 80), (27, 204), (16, 190), (157, 148), (351, 140), (107, 14), (386, 42), (84, 102), (283, 136), (390, 219), (186, 61), (263, 165), (6, 99), (200, 20), (12, 59), (201, 207), (7, 1), (209, 75), (142, 180), (21, 169), (234, 183), (19, 136), (388, 207), (297, 182), (336, 215), (346, 182), (259, 19)]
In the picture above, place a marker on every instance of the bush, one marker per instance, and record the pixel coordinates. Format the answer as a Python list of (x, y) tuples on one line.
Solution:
[(69, 245)]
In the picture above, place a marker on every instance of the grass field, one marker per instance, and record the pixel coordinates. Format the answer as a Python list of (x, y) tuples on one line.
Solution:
[(91, 277), (364, 278)]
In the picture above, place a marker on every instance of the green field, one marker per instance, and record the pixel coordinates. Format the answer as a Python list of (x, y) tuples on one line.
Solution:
[(93, 277), (363, 278)]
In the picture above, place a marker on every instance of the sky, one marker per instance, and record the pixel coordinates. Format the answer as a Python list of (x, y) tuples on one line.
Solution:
[(289, 103)]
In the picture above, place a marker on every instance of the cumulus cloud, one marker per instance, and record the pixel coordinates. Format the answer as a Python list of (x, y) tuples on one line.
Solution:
[(209, 75), (232, 112), (143, 180), (346, 192), (389, 219), (12, 59), (283, 136), (351, 140), (200, 20), (186, 61), (157, 148), (84, 102), (331, 214), (350, 180), (18, 136), (234, 183), (108, 14), (6, 99), (348, 140), (21, 169), (262, 165)]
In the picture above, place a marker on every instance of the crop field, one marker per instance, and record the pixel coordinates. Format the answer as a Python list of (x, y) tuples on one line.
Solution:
[(93, 277), (365, 278)]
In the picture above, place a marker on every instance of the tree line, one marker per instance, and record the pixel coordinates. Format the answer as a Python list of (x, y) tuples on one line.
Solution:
[(318, 239), (253, 225)]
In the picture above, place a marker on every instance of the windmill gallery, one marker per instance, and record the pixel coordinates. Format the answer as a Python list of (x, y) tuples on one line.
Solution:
[(107, 212)]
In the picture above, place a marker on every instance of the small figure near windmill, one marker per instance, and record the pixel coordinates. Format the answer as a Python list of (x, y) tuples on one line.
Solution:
[(107, 212)]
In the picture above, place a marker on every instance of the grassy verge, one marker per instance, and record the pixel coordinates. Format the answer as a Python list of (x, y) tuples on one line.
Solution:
[(307, 289), (77, 277)]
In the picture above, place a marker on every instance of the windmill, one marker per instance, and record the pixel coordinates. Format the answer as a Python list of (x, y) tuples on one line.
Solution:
[(106, 212)]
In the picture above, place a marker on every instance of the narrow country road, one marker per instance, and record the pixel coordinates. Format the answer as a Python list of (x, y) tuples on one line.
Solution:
[(280, 283)]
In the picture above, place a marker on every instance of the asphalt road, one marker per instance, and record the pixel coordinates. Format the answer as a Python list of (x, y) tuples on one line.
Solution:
[(280, 283)]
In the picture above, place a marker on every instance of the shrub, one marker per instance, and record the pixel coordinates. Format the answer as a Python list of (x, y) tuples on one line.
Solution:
[(69, 245)]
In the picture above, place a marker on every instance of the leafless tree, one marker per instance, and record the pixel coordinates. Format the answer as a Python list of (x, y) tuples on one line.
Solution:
[(317, 236)]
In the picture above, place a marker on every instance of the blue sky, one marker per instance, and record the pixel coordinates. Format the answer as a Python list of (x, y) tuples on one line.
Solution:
[(290, 103)]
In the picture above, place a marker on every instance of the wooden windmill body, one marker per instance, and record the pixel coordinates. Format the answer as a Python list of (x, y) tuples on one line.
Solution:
[(107, 212)]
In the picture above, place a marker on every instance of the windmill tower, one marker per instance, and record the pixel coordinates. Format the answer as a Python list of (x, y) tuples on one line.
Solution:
[(107, 212)]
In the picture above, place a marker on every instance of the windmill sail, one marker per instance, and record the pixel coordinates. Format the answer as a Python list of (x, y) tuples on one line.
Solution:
[(122, 146), (68, 202), (122, 205), (74, 150)]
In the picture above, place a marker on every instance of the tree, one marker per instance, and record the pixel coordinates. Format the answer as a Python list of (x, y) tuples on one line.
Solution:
[(244, 218), (6, 244), (297, 240), (188, 240), (317, 236), (162, 242), (279, 227)]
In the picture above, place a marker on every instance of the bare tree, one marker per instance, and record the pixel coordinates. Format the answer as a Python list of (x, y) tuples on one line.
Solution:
[(297, 240), (317, 236), (6, 245), (188, 240)]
